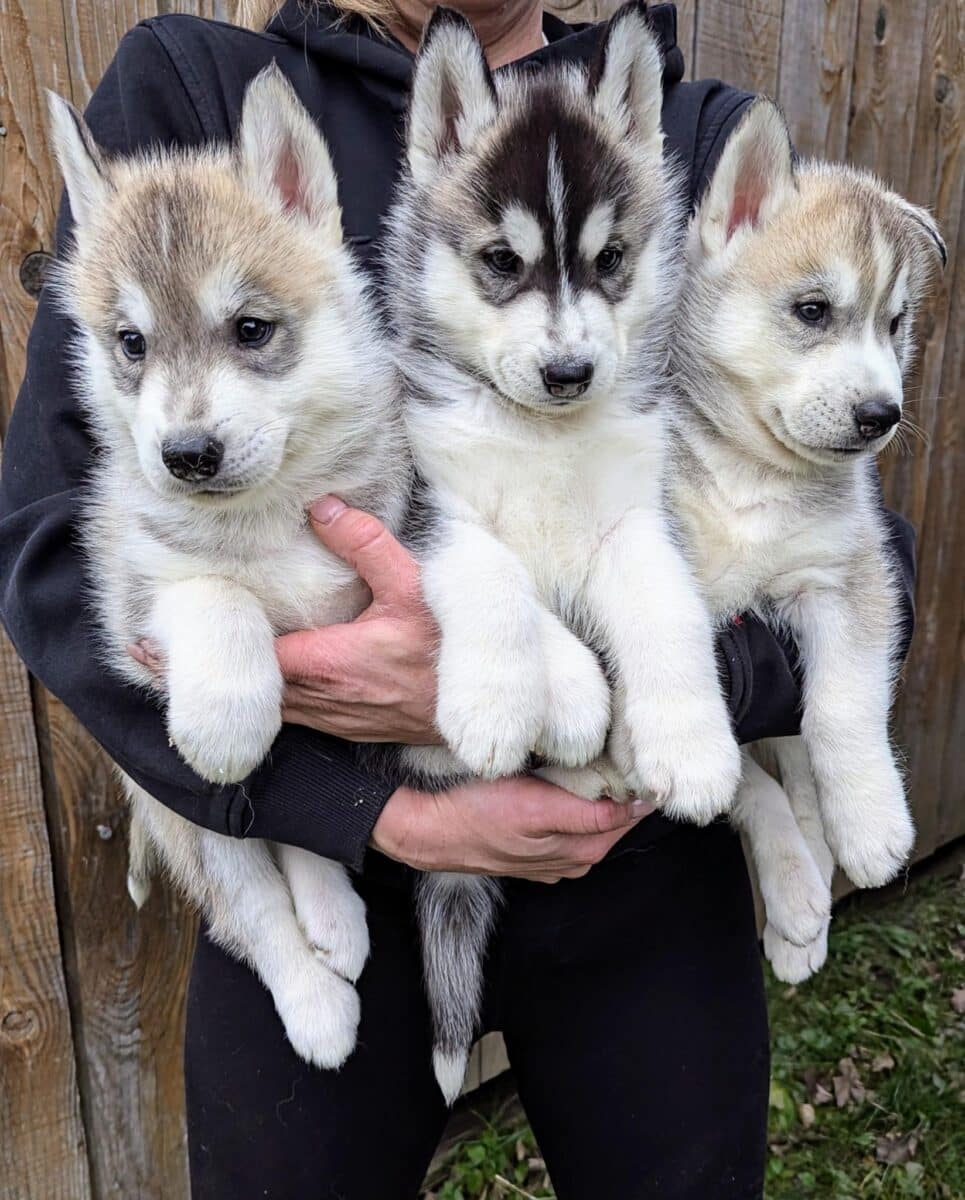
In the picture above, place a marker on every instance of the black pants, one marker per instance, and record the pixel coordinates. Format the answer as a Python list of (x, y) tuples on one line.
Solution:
[(632, 1006)]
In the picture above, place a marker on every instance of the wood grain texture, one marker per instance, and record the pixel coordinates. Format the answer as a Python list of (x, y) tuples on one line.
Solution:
[(42, 1147), (127, 973), (739, 41), (918, 483), (814, 88)]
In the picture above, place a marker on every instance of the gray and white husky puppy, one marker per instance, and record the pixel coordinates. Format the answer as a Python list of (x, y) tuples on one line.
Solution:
[(227, 391), (531, 279), (791, 341)]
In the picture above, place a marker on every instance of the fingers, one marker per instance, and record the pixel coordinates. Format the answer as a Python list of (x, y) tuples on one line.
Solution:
[(365, 543)]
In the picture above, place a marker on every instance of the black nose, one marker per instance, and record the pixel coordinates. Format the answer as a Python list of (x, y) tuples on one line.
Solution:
[(567, 377), (193, 458), (876, 416)]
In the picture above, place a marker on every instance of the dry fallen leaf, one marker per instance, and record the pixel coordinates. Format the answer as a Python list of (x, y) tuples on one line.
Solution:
[(958, 1000), (894, 1148), (806, 1114), (847, 1085), (882, 1062)]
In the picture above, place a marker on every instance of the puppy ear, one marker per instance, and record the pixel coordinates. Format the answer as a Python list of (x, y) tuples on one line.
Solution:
[(626, 77), (753, 180), (81, 161), (282, 153), (925, 224), (453, 94)]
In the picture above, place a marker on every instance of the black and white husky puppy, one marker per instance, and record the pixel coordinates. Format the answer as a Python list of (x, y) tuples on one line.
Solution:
[(793, 335), (531, 280), (227, 391)]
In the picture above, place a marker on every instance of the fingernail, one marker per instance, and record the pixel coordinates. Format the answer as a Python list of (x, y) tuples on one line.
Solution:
[(325, 511), (640, 807)]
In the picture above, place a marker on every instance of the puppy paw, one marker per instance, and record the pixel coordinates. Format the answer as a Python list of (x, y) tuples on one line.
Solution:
[(225, 733), (492, 720), (577, 706), (796, 898), (601, 778), (337, 930), (791, 963), (320, 1012), (689, 768), (868, 826)]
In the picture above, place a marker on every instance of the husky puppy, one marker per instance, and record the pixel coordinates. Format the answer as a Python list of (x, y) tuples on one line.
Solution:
[(228, 391), (792, 337), (530, 275)]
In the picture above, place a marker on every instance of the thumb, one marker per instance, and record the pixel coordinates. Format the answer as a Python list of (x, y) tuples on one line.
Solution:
[(571, 814), (365, 544)]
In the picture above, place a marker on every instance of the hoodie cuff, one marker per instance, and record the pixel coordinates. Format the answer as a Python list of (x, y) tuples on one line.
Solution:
[(760, 678), (312, 792)]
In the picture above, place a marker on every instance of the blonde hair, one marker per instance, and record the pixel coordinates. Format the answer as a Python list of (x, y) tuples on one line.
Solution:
[(255, 14)]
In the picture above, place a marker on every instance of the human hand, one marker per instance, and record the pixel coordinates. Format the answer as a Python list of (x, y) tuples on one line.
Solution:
[(523, 827)]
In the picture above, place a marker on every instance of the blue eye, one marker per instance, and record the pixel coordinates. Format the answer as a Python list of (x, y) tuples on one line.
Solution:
[(132, 344)]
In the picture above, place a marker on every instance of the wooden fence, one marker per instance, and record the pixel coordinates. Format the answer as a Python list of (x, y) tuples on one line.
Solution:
[(92, 995)]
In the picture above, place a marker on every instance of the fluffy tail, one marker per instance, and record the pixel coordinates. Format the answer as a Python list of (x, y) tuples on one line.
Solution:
[(140, 859), (456, 914)]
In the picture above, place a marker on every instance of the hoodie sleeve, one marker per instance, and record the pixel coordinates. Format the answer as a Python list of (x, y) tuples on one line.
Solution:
[(761, 669), (311, 792)]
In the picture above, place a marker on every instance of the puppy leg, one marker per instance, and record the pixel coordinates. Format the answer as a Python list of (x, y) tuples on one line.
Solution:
[(223, 681), (797, 898), (491, 672), (328, 908), (578, 697), (237, 887), (672, 736), (845, 649)]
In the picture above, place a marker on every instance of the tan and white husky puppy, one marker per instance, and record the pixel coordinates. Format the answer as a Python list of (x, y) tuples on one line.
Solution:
[(792, 338), (227, 391), (531, 269)]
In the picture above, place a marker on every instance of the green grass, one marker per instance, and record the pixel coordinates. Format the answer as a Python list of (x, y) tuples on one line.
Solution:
[(868, 1074)]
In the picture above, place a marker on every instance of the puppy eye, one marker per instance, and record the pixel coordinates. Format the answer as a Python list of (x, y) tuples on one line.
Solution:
[(132, 343), (896, 323), (502, 260), (253, 332), (609, 259), (812, 312)]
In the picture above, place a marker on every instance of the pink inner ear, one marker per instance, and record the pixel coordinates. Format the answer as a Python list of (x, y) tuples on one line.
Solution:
[(749, 197), (288, 180)]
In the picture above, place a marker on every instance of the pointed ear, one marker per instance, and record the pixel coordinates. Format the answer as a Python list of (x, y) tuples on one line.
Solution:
[(753, 180), (926, 226), (626, 77), (283, 155), (453, 94), (80, 159)]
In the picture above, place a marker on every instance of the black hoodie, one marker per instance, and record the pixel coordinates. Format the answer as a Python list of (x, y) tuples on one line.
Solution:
[(179, 80)]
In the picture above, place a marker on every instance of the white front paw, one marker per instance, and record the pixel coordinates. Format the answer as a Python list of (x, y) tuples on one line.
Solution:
[(795, 964), (334, 923), (320, 1012), (688, 764), (224, 728), (491, 719), (578, 706), (796, 898), (867, 823)]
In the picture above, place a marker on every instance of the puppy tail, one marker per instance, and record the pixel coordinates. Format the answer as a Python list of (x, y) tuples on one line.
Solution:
[(456, 915), (140, 860)]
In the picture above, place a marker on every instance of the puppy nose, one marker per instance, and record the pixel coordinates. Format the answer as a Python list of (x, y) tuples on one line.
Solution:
[(567, 377), (876, 416), (193, 458)]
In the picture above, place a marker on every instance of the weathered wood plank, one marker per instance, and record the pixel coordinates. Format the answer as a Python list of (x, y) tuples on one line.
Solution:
[(814, 88), (917, 482), (739, 41), (127, 972), (43, 1154)]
